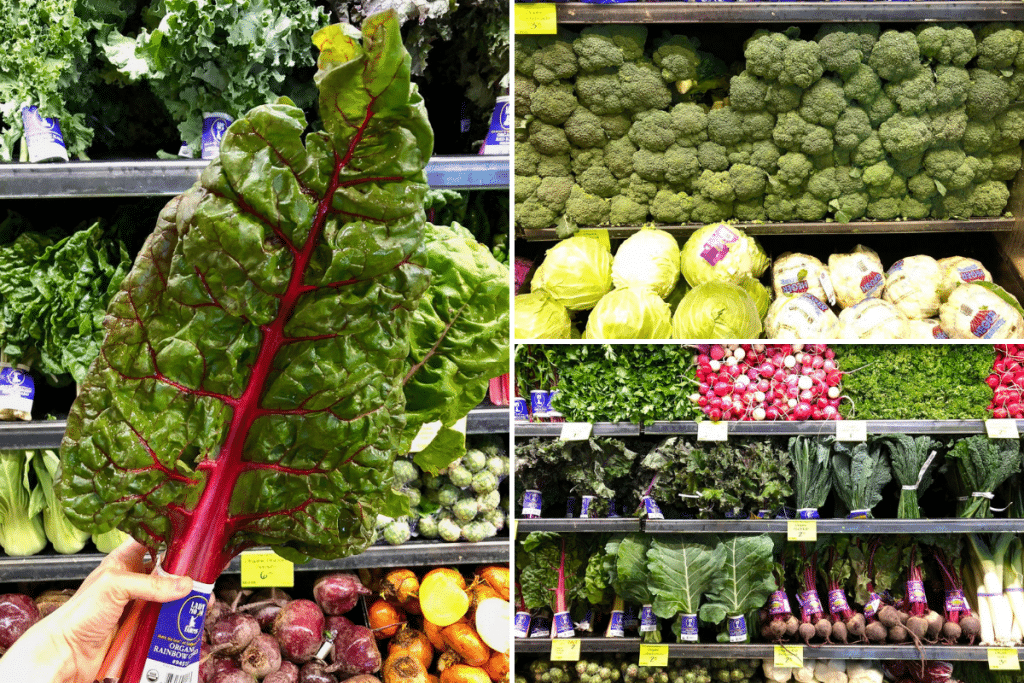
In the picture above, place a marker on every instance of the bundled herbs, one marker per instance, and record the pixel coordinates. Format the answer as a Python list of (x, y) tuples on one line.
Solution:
[(812, 473), (915, 382), (681, 571), (980, 466), (743, 585), (859, 472), (911, 457)]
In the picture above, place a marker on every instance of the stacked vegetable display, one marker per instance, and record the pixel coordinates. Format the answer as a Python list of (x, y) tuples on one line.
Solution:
[(618, 127), (615, 668)]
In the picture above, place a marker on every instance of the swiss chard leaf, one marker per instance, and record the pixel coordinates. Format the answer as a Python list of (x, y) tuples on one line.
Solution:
[(682, 569)]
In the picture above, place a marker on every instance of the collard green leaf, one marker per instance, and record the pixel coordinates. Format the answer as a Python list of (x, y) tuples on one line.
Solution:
[(250, 385), (745, 580), (681, 569), (631, 580)]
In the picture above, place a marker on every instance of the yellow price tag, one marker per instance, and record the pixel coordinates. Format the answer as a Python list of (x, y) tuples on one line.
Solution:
[(515, 527), (576, 431), (802, 530), (789, 656), (712, 431), (851, 430), (599, 234), (653, 655), (565, 650), (424, 436), (1003, 659), (266, 569), (1002, 429), (536, 18)]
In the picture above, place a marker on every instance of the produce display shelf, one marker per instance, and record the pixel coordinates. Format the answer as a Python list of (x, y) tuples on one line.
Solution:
[(48, 433), (819, 228), (555, 428), (782, 428), (834, 526), (619, 525), (774, 12), (413, 554), (154, 178), (956, 653)]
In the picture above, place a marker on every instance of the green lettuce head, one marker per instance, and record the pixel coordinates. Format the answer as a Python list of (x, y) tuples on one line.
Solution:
[(721, 252), (650, 258), (716, 310), (538, 316), (630, 313), (576, 272), (759, 293)]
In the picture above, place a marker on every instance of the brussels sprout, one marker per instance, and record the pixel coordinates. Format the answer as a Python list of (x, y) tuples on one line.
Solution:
[(404, 471), (484, 482), (448, 530), (490, 531), (413, 495), (448, 495), (397, 532), (431, 482), (428, 526), (474, 460), (496, 518), (474, 532), (489, 501), (460, 476), (497, 466), (465, 510)]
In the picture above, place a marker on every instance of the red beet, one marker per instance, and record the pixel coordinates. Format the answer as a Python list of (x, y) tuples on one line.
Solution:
[(233, 633), (288, 673), (17, 614), (263, 656), (299, 630), (338, 593), (315, 672), (236, 676), (355, 651)]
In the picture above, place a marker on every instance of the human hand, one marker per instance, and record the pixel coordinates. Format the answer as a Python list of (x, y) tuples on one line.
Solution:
[(70, 643)]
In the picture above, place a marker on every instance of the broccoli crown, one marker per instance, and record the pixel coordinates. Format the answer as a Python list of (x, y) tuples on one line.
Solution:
[(909, 166), (548, 139), (780, 206), (525, 87), (584, 157), (895, 56), (725, 126), (583, 129), (783, 98), (883, 208), (747, 181), (559, 165), (878, 175), (1009, 130), (862, 85), (710, 211), (526, 159), (681, 164), (751, 210), (553, 192), (601, 93), (998, 45), (852, 128), (652, 130), (583, 208), (747, 92), (765, 155), (525, 186), (650, 165), (764, 54), (715, 185), (677, 58), (642, 87), (947, 43), (671, 207), (866, 34), (1005, 165), (690, 122), (840, 51), (618, 157), (896, 187), (880, 109), (638, 189), (810, 208), (948, 127), (978, 136), (757, 126), (922, 187), (553, 102), (823, 184), (554, 60), (988, 96), (905, 136), (989, 198), (801, 64), (943, 163), (914, 209), (609, 45), (914, 95), (824, 102), (615, 125), (868, 152), (952, 84), (851, 206), (625, 211), (598, 180), (713, 156), (794, 168)]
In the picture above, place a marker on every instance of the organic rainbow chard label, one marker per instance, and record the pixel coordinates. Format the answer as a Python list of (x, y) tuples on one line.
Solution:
[(521, 627), (648, 622), (563, 625), (688, 628), (174, 649), (585, 506), (531, 504), (541, 627), (652, 509), (616, 627), (807, 513), (737, 627), (17, 392)]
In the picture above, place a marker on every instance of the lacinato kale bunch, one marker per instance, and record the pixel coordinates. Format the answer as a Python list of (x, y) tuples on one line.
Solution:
[(618, 127)]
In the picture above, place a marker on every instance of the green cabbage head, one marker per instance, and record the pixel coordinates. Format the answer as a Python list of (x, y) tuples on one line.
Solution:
[(538, 316), (721, 252), (576, 272), (759, 293), (649, 258), (630, 313), (716, 310)]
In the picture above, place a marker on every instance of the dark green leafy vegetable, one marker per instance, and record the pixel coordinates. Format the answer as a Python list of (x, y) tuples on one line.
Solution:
[(911, 458), (981, 465), (538, 561), (812, 478), (681, 571), (859, 472), (631, 580), (744, 582)]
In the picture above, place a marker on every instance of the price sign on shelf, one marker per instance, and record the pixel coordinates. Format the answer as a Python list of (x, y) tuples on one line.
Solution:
[(1003, 659), (802, 530), (712, 431), (789, 656), (565, 649), (575, 431), (851, 430), (536, 18), (1002, 429), (266, 569), (653, 655)]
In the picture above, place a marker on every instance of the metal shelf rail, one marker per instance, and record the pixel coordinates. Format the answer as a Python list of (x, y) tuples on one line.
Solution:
[(769, 526), (782, 428), (155, 178)]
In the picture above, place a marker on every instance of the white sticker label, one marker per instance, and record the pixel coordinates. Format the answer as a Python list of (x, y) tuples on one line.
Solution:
[(851, 430), (712, 431), (1002, 429), (576, 431)]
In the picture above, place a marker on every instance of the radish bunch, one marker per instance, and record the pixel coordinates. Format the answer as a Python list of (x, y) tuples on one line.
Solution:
[(1007, 382), (768, 382)]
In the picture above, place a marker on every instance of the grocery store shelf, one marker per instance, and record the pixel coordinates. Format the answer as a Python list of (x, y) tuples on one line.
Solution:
[(769, 12), (828, 428), (413, 554), (555, 428), (834, 526), (954, 653), (153, 178), (488, 421), (820, 228), (618, 525)]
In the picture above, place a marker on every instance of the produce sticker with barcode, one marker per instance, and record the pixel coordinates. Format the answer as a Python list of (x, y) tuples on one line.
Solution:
[(1003, 659), (1002, 429), (266, 569), (851, 430), (802, 530), (789, 656), (565, 650), (173, 655), (712, 431), (536, 18), (653, 655), (576, 431)]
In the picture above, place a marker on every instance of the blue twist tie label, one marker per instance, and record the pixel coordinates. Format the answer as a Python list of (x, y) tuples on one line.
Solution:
[(521, 411), (563, 625), (615, 626), (538, 402), (531, 504), (214, 126), (174, 650), (688, 628), (652, 509), (522, 624), (570, 507), (585, 507), (807, 513), (43, 137), (498, 139), (858, 514), (17, 392), (737, 626), (648, 622), (541, 628)]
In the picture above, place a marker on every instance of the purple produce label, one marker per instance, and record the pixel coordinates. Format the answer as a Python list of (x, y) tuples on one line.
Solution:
[(585, 507), (611, 508), (896, 267), (522, 624), (538, 401), (521, 411), (970, 273), (915, 592), (955, 601), (737, 629), (615, 626), (874, 604), (716, 247), (778, 603), (688, 628), (531, 504), (837, 601), (214, 127), (807, 513), (652, 509), (810, 603), (174, 649), (17, 390), (563, 625), (648, 622), (629, 620), (541, 628)]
